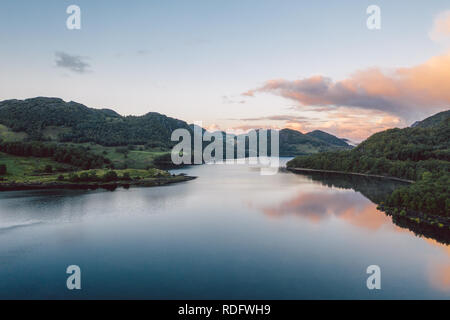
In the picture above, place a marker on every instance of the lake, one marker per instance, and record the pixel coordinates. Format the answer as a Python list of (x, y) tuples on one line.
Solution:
[(230, 234)]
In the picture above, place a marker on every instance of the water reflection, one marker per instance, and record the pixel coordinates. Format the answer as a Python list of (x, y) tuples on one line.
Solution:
[(318, 206), (324, 205), (231, 233)]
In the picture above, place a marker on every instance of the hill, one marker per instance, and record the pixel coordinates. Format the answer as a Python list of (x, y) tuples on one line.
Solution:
[(420, 153), (293, 143), (39, 117), (329, 138)]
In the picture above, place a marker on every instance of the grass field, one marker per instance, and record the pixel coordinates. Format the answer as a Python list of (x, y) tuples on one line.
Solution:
[(133, 159), (22, 169), (135, 162), (7, 135), (52, 132), (29, 169), (140, 158)]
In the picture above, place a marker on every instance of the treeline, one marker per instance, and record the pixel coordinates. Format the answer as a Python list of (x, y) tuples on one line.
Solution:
[(76, 156), (351, 161)]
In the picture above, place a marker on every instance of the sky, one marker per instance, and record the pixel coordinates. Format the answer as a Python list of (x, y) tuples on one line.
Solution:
[(235, 65)]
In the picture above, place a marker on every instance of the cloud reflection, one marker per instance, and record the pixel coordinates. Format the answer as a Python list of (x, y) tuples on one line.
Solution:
[(351, 208)]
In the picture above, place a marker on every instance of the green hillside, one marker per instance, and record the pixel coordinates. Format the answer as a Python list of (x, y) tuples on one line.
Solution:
[(53, 119), (294, 143)]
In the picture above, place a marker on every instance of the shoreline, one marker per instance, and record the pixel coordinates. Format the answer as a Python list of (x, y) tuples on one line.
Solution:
[(350, 173), (155, 182)]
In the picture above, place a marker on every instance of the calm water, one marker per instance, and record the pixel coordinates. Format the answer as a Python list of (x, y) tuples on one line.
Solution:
[(231, 233)]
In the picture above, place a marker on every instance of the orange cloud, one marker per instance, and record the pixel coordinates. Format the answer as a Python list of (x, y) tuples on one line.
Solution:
[(406, 92), (340, 121)]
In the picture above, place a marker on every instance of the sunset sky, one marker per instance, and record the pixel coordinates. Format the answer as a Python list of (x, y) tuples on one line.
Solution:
[(235, 65)]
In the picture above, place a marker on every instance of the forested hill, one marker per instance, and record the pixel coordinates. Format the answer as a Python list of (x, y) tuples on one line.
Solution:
[(420, 153), (293, 143), (329, 138), (410, 144), (44, 118)]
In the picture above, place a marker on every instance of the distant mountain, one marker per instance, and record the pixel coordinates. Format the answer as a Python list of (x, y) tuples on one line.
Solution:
[(432, 121), (349, 142), (44, 119), (293, 142), (329, 138)]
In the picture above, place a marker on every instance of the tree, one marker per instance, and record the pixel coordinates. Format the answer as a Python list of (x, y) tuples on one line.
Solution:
[(126, 176), (3, 169), (84, 177), (48, 169), (73, 177), (110, 176)]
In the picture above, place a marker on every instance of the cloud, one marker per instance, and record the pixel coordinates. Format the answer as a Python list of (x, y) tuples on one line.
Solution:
[(240, 129), (343, 122), (406, 92), (143, 52), (278, 118), (71, 62), (441, 27), (228, 100), (346, 124), (212, 127)]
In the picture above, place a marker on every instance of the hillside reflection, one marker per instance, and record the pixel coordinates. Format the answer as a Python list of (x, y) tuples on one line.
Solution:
[(323, 205)]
